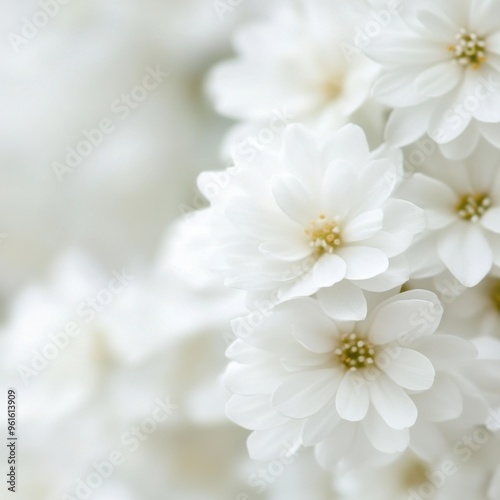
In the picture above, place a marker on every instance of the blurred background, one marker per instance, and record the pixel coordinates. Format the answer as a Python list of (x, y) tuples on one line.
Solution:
[(69, 65), (110, 334)]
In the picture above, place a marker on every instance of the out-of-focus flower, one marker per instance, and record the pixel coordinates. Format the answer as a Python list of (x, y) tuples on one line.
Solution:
[(467, 468), (394, 481), (293, 66)]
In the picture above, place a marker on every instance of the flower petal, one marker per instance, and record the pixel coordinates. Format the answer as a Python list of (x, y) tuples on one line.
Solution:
[(290, 251), (343, 301), (303, 286), (363, 262), (396, 212), (445, 123), (491, 219), (439, 79), (352, 398), (494, 43), (484, 16), (328, 270), (348, 144), (300, 153), (305, 393), (396, 275), (253, 412), (405, 51), (409, 369), (252, 379), (491, 132), (310, 326), (437, 23), (382, 437), (293, 198), (446, 351), (401, 130), (443, 401), (434, 196), (405, 319), (337, 445), (318, 427), (270, 444), (363, 226), (466, 253), (392, 403), (428, 440), (464, 144), (396, 88), (339, 182)]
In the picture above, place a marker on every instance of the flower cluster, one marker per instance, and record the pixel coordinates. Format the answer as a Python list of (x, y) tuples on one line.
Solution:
[(377, 266)]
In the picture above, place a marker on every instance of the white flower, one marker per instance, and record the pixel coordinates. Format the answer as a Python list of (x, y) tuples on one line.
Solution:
[(441, 63), (57, 347), (318, 216), (347, 387), (462, 204), (293, 66)]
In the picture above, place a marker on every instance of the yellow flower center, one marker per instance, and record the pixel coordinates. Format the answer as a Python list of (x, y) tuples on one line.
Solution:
[(471, 207), (332, 89), (355, 352), (415, 473), (469, 49), (324, 234)]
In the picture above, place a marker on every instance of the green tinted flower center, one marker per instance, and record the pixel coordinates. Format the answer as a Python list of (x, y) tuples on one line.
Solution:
[(355, 352), (469, 49), (495, 295), (472, 207)]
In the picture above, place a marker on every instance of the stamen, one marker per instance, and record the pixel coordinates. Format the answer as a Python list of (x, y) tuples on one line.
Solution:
[(472, 207), (355, 352), (325, 234), (469, 49)]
